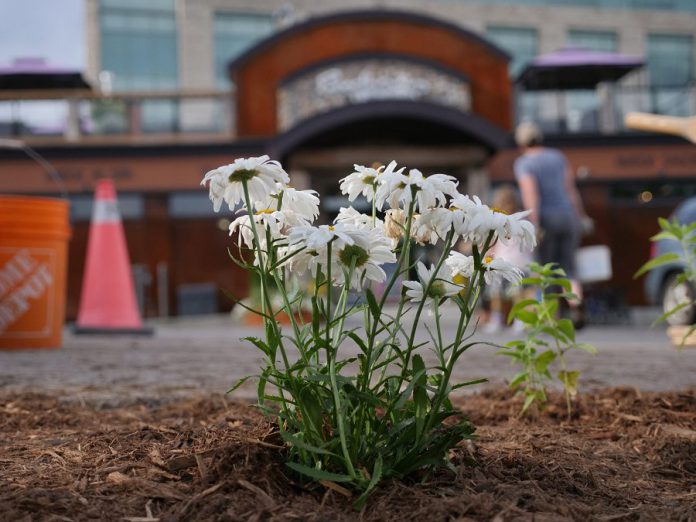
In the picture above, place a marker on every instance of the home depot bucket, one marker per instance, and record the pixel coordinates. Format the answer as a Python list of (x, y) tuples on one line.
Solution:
[(34, 235)]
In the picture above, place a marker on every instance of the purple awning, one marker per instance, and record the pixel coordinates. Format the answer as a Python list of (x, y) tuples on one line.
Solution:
[(575, 68), (35, 73)]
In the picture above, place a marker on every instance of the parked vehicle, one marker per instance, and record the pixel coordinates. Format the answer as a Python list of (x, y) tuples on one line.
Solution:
[(661, 286)]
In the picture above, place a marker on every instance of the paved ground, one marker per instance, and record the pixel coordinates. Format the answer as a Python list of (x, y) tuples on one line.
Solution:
[(206, 355)]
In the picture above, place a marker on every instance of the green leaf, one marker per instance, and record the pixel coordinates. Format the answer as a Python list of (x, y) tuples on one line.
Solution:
[(518, 379), (527, 317), (570, 381), (311, 408), (468, 383), (566, 326), (261, 345), (403, 397), (317, 474), (671, 312), (299, 443), (664, 235), (588, 348), (521, 305), (261, 388), (544, 359), (663, 259), (420, 395), (563, 283), (239, 383), (374, 480), (372, 303)]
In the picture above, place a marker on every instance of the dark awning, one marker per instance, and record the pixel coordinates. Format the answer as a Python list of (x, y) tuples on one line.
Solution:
[(35, 73), (575, 68)]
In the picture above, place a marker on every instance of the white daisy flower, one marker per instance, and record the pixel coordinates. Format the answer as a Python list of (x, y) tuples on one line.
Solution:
[(316, 238), (363, 181), (516, 228), (350, 216), (436, 223), (460, 264), (261, 175), (497, 270), (277, 222), (478, 220), (370, 250), (304, 203), (440, 287), (398, 189)]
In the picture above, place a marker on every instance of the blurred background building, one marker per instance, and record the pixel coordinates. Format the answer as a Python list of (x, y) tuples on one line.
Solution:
[(177, 87)]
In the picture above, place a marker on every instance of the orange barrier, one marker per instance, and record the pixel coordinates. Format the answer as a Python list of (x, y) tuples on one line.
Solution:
[(34, 234), (107, 303)]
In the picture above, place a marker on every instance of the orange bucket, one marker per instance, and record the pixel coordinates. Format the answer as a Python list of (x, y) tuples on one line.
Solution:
[(34, 235)]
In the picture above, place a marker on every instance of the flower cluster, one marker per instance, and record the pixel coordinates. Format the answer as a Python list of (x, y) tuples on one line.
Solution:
[(354, 249), (321, 406)]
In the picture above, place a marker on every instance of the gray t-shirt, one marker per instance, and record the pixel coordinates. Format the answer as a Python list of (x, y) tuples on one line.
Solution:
[(548, 167)]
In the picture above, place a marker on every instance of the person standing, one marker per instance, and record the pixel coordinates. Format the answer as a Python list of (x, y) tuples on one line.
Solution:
[(547, 187)]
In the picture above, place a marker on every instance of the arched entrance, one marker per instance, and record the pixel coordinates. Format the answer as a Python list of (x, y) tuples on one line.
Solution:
[(372, 86)]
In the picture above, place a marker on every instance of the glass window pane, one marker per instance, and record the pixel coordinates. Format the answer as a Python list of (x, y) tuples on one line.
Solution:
[(138, 44), (670, 59), (520, 42), (234, 34), (603, 41)]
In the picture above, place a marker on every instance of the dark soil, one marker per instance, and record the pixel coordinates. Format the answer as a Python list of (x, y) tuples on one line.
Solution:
[(623, 456)]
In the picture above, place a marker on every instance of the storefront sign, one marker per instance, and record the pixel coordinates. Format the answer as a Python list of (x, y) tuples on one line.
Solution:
[(366, 80)]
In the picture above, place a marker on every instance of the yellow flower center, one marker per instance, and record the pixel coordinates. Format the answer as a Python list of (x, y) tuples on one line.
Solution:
[(499, 211), (460, 280), (265, 211), (331, 228), (488, 260)]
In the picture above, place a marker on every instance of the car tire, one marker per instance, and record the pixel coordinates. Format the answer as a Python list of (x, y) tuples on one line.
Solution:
[(675, 293)]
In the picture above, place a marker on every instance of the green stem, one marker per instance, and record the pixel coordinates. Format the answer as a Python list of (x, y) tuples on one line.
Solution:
[(265, 299)]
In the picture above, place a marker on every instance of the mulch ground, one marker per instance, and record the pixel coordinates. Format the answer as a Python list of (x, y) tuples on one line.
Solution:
[(625, 455)]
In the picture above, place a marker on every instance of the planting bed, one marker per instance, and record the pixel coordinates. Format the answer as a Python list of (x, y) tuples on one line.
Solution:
[(625, 455)]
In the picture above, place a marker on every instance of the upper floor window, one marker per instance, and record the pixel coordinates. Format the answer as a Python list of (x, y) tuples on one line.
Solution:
[(670, 59), (234, 34), (138, 43), (522, 43), (603, 41)]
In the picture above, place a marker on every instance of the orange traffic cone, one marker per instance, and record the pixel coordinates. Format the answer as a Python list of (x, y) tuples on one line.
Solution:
[(108, 303)]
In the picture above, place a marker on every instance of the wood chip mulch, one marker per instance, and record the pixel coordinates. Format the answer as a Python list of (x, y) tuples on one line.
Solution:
[(624, 456)]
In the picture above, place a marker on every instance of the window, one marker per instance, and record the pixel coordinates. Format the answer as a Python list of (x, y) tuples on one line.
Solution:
[(603, 41), (138, 44), (521, 43), (670, 59), (670, 66), (583, 107), (234, 34)]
